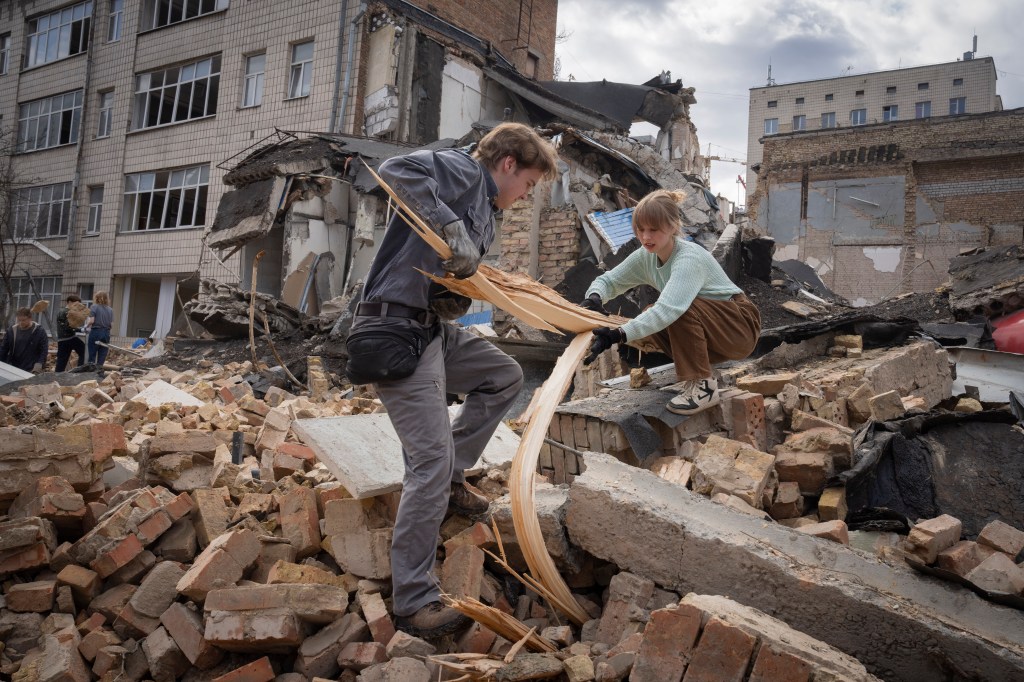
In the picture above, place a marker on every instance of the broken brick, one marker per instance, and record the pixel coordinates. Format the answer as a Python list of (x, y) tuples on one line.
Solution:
[(259, 670), (810, 470), (998, 573), (1002, 537), (462, 573), (376, 616), (722, 653), (35, 597), (360, 655), (928, 538), (300, 522), (166, 662), (318, 655), (211, 514), (830, 530), (832, 504), (667, 644), (119, 554), (185, 626), (221, 564), (84, 584)]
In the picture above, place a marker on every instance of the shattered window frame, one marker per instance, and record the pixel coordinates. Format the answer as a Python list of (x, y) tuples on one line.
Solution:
[(167, 199), (106, 117), (252, 88), (800, 122), (957, 106), (300, 76), (177, 94), (95, 210), (160, 13), (923, 109), (49, 122), (771, 126), (57, 35), (891, 112), (828, 119), (42, 212), (858, 117)]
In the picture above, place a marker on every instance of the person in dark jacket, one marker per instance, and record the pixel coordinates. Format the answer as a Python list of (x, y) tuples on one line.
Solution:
[(67, 338), (25, 344)]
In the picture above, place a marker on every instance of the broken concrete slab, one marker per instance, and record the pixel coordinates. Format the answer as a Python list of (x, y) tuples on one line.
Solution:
[(343, 445), (162, 393), (617, 513)]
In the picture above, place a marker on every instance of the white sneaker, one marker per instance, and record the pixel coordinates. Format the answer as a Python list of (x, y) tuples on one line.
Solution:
[(695, 397)]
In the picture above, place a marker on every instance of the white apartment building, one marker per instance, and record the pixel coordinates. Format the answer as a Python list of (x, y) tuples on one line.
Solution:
[(962, 87), (123, 113)]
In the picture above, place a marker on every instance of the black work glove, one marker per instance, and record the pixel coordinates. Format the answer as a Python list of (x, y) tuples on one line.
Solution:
[(604, 338), (465, 254), (449, 305), (593, 302)]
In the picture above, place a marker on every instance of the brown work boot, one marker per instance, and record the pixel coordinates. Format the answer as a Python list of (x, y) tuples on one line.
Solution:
[(467, 500), (432, 621)]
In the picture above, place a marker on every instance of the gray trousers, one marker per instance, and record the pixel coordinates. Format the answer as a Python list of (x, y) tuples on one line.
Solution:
[(436, 452)]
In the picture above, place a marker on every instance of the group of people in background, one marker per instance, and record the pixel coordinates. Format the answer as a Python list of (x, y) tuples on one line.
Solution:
[(26, 343)]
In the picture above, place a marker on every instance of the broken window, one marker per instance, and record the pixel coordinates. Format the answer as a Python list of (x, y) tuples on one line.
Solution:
[(252, 92), (859, 93), (891, 112), (29, 290), (800, 122), (891, 90), (799, 100), (958, 81), (180, 93), (5, 52), (858, 117), (159, 13), (773, 103), (923, 110), (828, 120), (57, 35), (771, 126), (42, 211), (301, 75), (165, 199), (115, 20), (95, 210), (106, 114), (922, 86), (49, 122), (957, 106), (828, 98)]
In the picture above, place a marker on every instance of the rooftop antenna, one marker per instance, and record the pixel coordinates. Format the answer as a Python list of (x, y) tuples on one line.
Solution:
[(974, 49), (771, 81)]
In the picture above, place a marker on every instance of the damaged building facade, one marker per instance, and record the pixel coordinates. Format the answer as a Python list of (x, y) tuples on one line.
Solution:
[(122, 112), (880, 210)]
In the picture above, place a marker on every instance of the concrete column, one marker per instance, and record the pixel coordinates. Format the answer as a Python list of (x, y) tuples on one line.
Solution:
[(165, 306)]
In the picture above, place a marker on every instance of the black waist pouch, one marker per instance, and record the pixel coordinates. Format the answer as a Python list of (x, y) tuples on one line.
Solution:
[(385, 351)]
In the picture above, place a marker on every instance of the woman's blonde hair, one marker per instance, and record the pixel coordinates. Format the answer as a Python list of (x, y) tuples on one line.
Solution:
[(659, 210), (101, 298)]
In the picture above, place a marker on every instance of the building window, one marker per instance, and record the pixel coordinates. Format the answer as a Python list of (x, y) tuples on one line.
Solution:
[(302, 70), (828, 120), (159, 13), (859, 93), (771, 126), (115, 20), (891, 90), (800, 122), (106, 114), (164, 200), (773, 103), (85, 292), (5, 52), (858, 117), (923, 110), (922, 86), (532, 66), (95, 210), (891, 112), (958, 81), (49, 122), (828, 98), (58, 35), (43, 211), (957, 106), (180, 93), (799, 100), (253, 91), (27, 291)]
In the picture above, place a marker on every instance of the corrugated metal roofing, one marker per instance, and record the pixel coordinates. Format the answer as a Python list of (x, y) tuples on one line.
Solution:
[(615, 228)]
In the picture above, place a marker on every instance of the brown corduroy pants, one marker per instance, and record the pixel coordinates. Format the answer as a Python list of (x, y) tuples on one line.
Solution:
[(710, 332)]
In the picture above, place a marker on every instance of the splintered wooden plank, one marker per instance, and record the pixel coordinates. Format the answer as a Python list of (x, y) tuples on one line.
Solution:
[(524, 509)]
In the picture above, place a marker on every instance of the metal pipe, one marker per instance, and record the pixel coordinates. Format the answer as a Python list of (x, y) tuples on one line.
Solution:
[(332, 127), (348, 72)]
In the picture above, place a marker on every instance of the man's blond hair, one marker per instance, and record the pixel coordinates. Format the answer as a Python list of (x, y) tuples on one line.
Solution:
[(520, 142)]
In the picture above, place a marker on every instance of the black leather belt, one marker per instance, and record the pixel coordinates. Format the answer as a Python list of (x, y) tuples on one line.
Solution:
[(385, 309)]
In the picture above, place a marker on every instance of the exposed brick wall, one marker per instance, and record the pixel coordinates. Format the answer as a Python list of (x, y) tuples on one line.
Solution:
[(515, 238), (514, 28), (962, 181), (559, 244)]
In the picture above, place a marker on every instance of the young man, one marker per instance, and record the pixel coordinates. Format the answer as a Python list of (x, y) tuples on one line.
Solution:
[(402, 315), (25, 344), (67, 337)]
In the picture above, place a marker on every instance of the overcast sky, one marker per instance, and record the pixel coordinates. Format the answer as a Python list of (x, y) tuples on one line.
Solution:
[(723, 48)]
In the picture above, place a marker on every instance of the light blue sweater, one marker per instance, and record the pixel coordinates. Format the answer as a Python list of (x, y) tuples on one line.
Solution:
[(691, 271)]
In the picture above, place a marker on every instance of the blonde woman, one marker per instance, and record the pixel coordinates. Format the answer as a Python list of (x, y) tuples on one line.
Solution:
[(701, 317), (101, 316)]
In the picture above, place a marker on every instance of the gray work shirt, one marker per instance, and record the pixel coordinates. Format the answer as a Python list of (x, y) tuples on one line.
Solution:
[(441, 187), (103, 316)]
